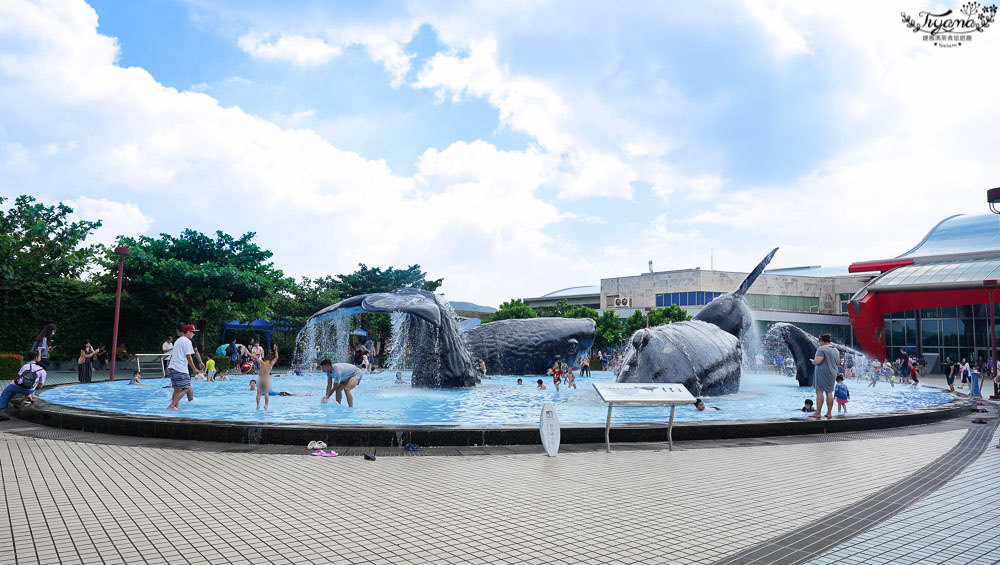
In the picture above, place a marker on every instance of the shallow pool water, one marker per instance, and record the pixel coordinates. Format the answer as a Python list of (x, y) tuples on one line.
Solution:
[(497, 401)]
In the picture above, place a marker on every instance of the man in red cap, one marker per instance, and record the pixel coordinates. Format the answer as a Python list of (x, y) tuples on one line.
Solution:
[(182, 357)]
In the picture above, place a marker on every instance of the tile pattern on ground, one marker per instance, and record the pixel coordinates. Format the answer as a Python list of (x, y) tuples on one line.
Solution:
[(69, 502), (801, 545), (947, 526)]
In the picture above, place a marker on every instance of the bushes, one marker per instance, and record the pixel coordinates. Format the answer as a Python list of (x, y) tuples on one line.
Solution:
[(10, 363), (221, 363)]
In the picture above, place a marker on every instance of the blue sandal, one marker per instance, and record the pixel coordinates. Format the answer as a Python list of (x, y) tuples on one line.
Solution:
[(412, 447)]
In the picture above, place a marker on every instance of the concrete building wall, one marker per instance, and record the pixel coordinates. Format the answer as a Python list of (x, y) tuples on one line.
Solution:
[(643, 288)]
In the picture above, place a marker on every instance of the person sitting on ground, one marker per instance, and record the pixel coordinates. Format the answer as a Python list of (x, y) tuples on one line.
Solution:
[(541, 385), (266, 364), (341, 378), (136, 378), (699, 404), (29, 380), (808, 406)]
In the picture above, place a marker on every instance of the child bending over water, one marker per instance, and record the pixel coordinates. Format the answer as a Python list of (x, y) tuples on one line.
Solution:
[(136, 378)]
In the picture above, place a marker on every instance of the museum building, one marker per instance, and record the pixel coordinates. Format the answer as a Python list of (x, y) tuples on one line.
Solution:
[(932, 300)]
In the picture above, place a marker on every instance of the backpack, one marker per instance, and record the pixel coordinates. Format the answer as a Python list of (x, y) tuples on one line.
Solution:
[(230, 350), (29, 377)]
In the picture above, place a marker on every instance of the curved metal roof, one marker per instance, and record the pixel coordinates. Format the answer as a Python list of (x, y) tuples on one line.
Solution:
[(959, 234), (573, 291), (928, 276)]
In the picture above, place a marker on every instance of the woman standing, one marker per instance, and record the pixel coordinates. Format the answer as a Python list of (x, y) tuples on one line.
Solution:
[(43, 345), (826, 361), (83, 365)]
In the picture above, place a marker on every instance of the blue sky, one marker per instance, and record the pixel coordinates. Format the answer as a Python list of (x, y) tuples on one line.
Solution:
[(511, 148)]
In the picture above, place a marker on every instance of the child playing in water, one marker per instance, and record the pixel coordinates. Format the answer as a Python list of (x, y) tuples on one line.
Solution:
[(253, 386), (399, 378), (841, 393), (266, 364), (808, 406), (570, 378), (210, 369), (136, 376), (541, 385), (557, 373)]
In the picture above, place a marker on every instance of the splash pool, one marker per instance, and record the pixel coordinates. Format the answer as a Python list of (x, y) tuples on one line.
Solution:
[(496, 402)]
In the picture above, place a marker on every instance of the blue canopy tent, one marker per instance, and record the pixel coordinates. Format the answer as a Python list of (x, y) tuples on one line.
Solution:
[(259, 325)]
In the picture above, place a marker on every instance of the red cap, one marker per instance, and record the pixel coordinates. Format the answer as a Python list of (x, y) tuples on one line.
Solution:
[(189, 328)]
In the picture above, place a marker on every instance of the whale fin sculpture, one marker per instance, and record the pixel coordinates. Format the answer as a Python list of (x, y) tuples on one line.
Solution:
[(530, 346), (704, 353), (731, 311), (441, 361)]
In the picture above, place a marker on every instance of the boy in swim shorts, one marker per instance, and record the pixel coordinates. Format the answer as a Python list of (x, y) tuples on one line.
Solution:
[(266, 364)]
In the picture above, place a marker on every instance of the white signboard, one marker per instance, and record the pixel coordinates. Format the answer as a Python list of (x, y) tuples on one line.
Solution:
[(643, 392)]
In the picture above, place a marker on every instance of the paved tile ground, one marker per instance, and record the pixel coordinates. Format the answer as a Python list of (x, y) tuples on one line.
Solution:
[(68, 502), (958, 523)]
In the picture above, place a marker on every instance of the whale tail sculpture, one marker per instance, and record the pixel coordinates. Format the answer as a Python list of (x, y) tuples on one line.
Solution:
[(704, 353), (731, 311)]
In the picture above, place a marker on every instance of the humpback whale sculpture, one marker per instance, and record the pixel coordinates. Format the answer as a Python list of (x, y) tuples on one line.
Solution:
[(441, 360), (803, 348), (704, 353), (531, 346)]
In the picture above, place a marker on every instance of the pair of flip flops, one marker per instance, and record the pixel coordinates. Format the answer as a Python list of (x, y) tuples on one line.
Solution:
[(316, 445), (412, 447), (321, 453)]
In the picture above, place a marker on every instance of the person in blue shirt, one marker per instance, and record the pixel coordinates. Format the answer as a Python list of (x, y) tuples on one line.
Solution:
[(841, 394)]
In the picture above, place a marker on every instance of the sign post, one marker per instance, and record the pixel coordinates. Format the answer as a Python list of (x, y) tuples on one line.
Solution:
[(643, 393)]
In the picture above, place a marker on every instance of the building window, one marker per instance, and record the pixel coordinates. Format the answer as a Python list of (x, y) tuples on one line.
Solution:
[(611, 300), (659, 300)]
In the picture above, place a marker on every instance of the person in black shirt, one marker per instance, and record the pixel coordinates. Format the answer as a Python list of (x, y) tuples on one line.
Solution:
[(950, 368)]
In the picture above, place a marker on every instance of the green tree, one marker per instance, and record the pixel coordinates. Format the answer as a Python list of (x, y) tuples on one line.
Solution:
[(672, 313), (558, 311), (609, 330), (513, 309), (635, 322), (193, 277), (38, 242), (366, 280), (582, 312)]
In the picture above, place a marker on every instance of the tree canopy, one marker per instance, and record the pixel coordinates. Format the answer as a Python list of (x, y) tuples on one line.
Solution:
[(39, 242), (513, 309), (609, 330)]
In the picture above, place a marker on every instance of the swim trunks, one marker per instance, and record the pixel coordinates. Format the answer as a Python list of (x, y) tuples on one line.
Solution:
[(179, 380)]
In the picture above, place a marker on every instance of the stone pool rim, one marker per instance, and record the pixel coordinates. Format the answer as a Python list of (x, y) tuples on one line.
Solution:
[(362, 435)]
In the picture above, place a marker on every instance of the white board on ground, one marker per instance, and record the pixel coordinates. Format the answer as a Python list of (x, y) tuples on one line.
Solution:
[(549, 427), (643, 392)]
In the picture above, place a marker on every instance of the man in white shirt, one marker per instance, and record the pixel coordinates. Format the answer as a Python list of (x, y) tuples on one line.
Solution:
[(181, 358), (167, 347)]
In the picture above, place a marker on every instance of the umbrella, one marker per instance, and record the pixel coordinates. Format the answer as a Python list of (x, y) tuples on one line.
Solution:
[(221, 350), (360, 332)]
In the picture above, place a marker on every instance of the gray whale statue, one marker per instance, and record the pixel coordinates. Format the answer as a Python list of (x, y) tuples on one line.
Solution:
[(530, 346), (704, 353), (803, 348), (441, 361)]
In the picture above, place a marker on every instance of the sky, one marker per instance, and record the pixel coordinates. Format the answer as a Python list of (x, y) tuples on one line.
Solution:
[(512, 148)]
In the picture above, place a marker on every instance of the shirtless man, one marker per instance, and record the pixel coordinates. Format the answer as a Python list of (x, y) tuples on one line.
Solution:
[(341, 378), (266, 364)]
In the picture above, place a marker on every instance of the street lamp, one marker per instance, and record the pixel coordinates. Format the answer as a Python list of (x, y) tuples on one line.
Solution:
[(991, 285), (122, 253)]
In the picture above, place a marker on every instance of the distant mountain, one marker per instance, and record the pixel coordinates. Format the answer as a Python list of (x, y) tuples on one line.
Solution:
[(470, 307)]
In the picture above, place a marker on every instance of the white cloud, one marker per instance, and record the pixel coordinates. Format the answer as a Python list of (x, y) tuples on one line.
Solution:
[(297, 49), (471, 213), (116, 218)]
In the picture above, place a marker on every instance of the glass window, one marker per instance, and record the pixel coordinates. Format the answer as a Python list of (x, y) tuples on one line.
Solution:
[(770, 302), (929, 313), (700, 296), (691, 299), (949, 312), (684, 299), (897, 333), (949, 333), (659, 300), (911, 333), (929, 333), (843, 307)]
